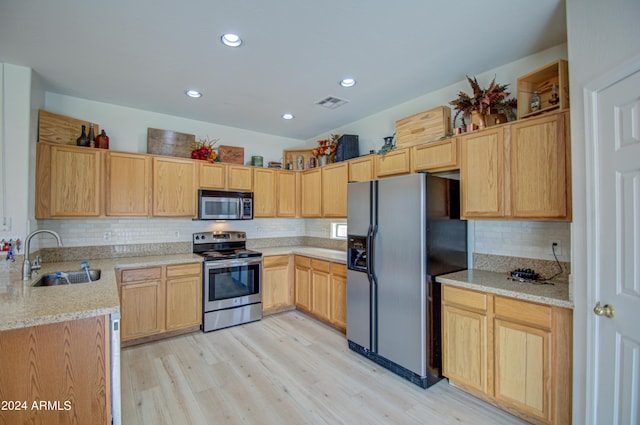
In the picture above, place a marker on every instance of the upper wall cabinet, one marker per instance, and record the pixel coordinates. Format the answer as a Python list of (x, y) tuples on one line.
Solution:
[(394, 163), (287, 184), (127, 184), (174, 193), (68, 181), (518, 171), (264, 196), (334, 190)]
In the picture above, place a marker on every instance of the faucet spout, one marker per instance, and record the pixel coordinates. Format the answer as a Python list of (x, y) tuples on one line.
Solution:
[(27, 268)]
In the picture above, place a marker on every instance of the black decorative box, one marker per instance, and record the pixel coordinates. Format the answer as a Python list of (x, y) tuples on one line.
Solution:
[(347, 147)]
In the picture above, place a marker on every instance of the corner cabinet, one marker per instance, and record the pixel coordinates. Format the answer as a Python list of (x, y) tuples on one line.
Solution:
[(69, 181), (518, 171), (174, 183), (512, 353)]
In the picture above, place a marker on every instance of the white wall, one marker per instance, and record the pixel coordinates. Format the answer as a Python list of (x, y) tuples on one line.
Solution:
[(127, 127), (601, 35)]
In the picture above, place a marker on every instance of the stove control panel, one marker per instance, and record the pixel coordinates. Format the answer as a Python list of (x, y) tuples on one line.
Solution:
[(219, 236)]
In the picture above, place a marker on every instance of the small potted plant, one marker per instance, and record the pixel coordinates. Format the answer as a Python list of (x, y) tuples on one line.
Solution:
[(483, 102)]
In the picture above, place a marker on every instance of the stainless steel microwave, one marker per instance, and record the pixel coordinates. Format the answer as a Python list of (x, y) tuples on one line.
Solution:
[(223, 205)]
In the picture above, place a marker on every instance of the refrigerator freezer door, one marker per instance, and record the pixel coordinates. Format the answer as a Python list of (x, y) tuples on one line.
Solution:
[(358, 208), (400, 266), (359, 308)]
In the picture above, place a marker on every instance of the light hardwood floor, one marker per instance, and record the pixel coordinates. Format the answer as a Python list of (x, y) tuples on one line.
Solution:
[(285, 369)]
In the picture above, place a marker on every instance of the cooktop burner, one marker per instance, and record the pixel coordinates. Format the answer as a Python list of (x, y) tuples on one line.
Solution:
[(222, 245), (229, 254)]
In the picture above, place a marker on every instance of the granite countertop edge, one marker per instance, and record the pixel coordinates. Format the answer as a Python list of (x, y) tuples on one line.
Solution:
[(498, 283), (308, 251)]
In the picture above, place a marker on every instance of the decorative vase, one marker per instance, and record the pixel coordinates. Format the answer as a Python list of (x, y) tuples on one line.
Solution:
[(322, 160)]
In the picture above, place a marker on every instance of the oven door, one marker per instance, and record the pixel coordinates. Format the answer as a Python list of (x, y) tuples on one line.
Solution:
[(231, 283)]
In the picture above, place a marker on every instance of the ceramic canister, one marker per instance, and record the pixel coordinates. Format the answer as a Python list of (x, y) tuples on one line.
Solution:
[(256, 161)]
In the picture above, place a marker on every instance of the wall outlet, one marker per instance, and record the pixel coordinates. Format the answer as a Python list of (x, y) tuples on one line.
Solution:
[(106, 236), (557, 246), (176, 234)]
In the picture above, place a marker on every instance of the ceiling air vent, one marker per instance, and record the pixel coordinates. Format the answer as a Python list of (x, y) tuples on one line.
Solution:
[(331, 102)]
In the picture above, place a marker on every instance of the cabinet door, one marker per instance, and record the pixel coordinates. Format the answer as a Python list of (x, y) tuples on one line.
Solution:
[(361, 169), (184, 302), (127, 191), (338, 296), (522, 378), (302, 283), (436, 156), (277, 288), (334, 190), (394, 163), (212, 176), (320, 288), (142, 307), (287, 205), (311, 193), (464, 347), (174, 188), (264, 192), (482, 174), (76, 187), (539, 168), (239, 178)]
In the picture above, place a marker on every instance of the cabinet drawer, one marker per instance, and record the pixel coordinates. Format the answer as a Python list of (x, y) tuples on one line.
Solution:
[(303, 261), (464, 298), (320, 265), (523, 312), (338, 269), (141, 275), (178, 270), (275, 261)]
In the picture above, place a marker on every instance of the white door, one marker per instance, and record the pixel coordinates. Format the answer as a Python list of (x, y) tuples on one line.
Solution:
[(613, 136)]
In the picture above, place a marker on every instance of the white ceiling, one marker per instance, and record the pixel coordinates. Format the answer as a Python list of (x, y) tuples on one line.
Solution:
[(145, 53)]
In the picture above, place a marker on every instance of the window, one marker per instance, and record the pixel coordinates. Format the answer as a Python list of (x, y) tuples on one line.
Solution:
[(338, 230)]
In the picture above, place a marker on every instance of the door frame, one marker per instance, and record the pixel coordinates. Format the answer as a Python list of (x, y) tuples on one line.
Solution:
[(584, 381)]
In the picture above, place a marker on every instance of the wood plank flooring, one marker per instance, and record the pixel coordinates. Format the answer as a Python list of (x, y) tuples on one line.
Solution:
[(285, 369)]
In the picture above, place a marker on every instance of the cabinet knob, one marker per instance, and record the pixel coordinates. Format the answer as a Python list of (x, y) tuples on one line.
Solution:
[(604, 310)]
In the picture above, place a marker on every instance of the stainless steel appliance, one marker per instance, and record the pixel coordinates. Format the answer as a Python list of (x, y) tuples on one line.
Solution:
[(231, 279), (224, 205), (116, 394), (403, 231)]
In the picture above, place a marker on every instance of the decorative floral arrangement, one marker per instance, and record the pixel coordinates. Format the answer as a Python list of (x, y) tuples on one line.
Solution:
[(203, 149), (326, 146), (494, 97)]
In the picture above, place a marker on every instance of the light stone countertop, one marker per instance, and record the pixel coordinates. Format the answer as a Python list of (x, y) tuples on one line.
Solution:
[(308, 251), (22, 305), (499, 284)]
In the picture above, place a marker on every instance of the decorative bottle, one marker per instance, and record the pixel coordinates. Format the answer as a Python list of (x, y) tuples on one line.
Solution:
[(92, 137), (102, 140), (83, 140)]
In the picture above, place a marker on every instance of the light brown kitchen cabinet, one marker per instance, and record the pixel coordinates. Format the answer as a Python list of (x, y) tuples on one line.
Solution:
[(69, 181), (515, 354), (264, 192), (174, 183), (127, 184), (302, 271), (311, 193), (212, 176), (320, 281), (141, 302), (160, 301), (441, 155), (395, 163), (184, 296), (518, 170), (338, 296), (239, 178), (65, 362), (482, 174), (277, 286), (287, 204), (334, 190), (361, 169)]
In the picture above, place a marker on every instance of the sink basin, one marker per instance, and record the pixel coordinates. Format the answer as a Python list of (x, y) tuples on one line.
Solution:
[(74, 277)]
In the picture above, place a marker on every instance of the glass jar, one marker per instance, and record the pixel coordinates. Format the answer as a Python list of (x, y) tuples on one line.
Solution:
[(535, 102)]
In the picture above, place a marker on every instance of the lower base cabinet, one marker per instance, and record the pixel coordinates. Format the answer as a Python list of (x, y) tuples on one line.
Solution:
[(277, 284), (514, 354), (64, 365), (159, 301)]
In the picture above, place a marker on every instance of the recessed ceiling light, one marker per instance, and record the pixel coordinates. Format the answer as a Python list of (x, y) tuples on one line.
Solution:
[(348, 82), (193, 93), (231, 40), (287, 116)]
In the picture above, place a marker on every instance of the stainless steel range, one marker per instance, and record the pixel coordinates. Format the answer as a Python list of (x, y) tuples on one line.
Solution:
[(231, 279)]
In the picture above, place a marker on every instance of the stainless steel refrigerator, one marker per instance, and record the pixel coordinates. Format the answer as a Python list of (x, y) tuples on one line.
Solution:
[(403, 231)]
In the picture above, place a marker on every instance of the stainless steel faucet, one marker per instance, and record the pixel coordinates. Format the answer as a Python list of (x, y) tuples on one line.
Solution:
[(27, 267)]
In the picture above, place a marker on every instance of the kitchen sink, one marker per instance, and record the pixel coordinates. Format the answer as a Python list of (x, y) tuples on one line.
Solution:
[(73, 277)]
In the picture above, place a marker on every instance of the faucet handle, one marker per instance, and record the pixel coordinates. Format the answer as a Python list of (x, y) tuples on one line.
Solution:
[(36, 264)]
